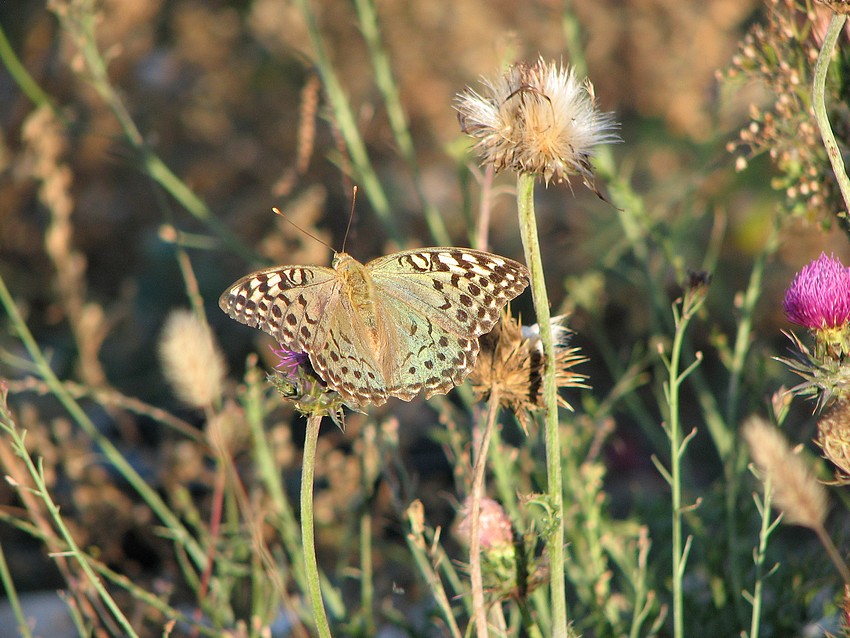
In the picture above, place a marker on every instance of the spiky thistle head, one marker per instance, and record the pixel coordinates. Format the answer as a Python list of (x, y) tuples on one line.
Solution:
[(819, 299), (819, 296), (296, 381), (510, 366)]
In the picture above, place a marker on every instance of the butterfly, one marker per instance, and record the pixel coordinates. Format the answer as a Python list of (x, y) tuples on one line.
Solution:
[(396, 326)]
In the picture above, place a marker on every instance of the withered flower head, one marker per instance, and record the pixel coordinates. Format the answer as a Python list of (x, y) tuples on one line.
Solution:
[(510, 366), (510, 567), (834, 438), (536, 119)]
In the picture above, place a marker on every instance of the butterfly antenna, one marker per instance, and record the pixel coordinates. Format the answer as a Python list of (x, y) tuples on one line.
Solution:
[(350, 216), (277, 211)]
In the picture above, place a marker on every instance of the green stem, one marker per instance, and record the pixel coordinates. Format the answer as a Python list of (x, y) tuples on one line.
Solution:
[(759, 556), (555, 536), (176, 529), (269, 473), (833, 553), (422, 551), (724, 439), (478, 472), (20, 74), (79, 21), (675, 434), (308, 467), (678, 444), (347, 124), (36, 474), (836, 24), (12, 595), (395, 114)]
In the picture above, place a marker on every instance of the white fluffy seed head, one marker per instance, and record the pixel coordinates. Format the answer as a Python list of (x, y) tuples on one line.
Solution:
[(191, 360), (796, 491), (537, 119)]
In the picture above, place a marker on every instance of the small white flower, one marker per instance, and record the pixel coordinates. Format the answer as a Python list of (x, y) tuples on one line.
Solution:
[(537, 119)]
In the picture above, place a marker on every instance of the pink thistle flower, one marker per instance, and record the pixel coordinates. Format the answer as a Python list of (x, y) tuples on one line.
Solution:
[(290, 361), (819, 296), (296, 381)]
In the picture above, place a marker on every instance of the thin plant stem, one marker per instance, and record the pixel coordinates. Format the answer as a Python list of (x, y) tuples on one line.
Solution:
[(833, 553), (177, 531), (395, 114), (12, 594), (419, 548), (678, 445), (20, 74), (105, 397), (367, 590), (347, 124), (555, 493), (79, 21), (734, 462), (308, 466), (836, 25), (760, 555), (478, 473), (284, 517), (36, 474), (370, 470), (485, 208)]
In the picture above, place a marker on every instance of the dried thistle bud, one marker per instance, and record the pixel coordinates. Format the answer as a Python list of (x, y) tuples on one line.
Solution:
[(536, 119), (796, 491), (510, 366), (834, 438), (191, 360)]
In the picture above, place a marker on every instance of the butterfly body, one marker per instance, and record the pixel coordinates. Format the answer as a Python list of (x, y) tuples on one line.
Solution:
[(398, 325)]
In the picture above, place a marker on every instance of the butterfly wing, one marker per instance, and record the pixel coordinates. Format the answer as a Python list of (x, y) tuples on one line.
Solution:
[(437, 302), (432, 359), (347, 361), (292, 304), (461, 289), (304, 309)]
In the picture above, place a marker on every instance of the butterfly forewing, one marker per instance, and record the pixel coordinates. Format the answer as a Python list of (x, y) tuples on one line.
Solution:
[(287, 303), (463, 290)]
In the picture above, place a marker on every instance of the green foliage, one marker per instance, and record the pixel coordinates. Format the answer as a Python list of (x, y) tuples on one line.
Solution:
[(139, 161)]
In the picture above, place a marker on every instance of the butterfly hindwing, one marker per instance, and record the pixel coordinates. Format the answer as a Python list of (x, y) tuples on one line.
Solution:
[(434, 359), (347, 361)]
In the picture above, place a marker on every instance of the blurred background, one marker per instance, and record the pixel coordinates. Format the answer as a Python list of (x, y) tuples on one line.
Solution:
[(226, 94)]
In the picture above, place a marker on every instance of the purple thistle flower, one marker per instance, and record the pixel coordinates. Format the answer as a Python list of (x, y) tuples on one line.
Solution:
[(819, 296), (290, 360)]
